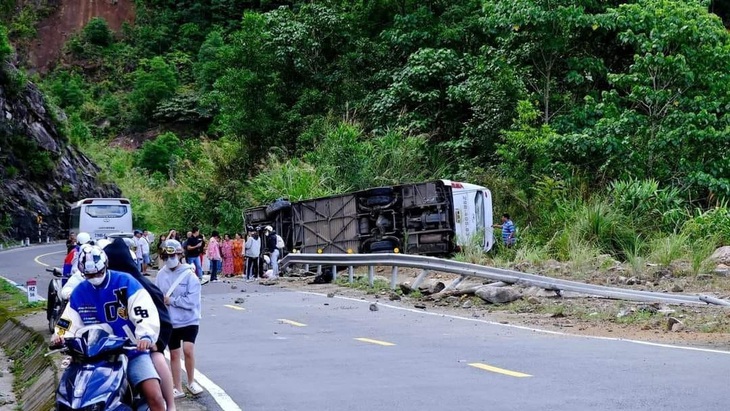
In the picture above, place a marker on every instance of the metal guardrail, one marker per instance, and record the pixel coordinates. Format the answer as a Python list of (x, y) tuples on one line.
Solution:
[(428, 264)]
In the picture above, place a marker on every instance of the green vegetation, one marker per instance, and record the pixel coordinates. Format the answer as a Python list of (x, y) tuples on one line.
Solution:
[(14, 302), (600, 126)]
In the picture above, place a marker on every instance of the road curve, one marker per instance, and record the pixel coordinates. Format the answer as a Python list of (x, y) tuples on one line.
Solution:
[(286, 350)]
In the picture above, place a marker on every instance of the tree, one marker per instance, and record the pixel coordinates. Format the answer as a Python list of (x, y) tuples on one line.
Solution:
[(665, 115), (154, 81)]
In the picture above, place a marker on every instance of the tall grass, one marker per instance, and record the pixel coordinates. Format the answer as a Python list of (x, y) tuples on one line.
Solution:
[(666, 249)]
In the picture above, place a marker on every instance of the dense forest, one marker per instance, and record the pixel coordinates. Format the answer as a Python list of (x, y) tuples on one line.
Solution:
[(602, 126)]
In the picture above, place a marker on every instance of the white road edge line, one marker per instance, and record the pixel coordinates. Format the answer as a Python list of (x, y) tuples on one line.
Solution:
[(219, 395), (36, 259), (522, 327)]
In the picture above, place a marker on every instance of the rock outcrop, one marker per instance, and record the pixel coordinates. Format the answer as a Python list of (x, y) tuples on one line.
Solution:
[(40, 172)]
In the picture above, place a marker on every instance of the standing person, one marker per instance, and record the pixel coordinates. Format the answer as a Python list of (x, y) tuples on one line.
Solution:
[(194, 246), (182, 297), (120, 259), (270, 235), (227, 252), (214, 256), (172, 235), (145, 246), (508, 230), (138, 249), (203, 243), (160, 241), (71, 242), (106, 291), (253, 251), (238, 255)]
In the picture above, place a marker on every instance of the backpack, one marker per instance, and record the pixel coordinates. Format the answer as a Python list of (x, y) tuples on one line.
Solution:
[(280, 242)]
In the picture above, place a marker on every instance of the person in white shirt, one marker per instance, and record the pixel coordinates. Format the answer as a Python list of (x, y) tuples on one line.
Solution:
[(143, 252)]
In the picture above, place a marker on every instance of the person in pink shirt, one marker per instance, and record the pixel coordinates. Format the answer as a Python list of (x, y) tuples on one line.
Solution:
[(214, 256), (227, 252)]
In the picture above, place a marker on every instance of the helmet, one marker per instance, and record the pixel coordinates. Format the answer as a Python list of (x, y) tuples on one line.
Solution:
[(268, 228), (82, 238), (103, 243), (92, 259), (170, 247)]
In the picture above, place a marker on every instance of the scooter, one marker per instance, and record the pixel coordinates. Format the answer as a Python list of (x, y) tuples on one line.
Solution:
[(55, 303), (96, 377)]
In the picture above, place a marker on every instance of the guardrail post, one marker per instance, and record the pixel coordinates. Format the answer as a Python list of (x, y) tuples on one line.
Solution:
[(334, 273), (351, 274), (306, 267), (454, 283), (371, 275), (394, 277), (419, 279), (319, 269)]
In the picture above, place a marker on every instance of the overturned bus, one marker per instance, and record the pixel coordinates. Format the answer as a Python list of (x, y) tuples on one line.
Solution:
[(432, 218)]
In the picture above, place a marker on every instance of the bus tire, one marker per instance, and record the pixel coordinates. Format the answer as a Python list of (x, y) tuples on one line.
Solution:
[(380, 191), (277, 206), (378, 200), (385, 246)]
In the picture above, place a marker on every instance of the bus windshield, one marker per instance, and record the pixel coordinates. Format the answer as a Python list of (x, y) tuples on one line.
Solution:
[(105, 211)]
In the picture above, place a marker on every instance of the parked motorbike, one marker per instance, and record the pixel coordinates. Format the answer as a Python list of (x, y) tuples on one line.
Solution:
[(96, 377), (54, 304)]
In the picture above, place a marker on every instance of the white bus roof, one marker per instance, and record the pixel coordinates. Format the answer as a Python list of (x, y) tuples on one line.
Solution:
[(464, 186)]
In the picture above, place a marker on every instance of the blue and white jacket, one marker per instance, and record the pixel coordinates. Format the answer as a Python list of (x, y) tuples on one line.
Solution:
[(119, 301)]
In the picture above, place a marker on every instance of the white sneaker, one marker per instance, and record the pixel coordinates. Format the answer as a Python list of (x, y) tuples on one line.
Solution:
[(195, 389)]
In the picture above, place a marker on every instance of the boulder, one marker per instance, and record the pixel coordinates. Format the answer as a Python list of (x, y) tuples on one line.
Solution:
[(498, 295), (721, 255)]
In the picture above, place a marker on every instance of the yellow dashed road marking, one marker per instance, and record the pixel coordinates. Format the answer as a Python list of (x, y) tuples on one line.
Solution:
[(378, 342), (486, 367), (290, 322)]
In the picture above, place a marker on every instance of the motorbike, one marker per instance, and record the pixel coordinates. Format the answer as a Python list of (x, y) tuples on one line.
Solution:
[(55, 304), (96, 376)]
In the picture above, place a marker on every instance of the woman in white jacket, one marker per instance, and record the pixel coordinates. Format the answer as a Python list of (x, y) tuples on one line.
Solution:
[(182, 296)]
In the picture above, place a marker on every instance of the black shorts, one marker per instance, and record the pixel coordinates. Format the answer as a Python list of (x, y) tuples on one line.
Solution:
[(164, 339), (187, 334)]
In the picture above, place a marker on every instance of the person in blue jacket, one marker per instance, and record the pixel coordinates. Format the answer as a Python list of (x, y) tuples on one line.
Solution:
[(117, 299)]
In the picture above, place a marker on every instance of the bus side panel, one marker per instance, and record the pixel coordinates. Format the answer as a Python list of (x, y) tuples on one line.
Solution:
[(327, 225)]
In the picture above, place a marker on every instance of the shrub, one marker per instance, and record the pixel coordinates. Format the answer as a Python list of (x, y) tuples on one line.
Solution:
[(97, 32), (714, 222), (651, 208), (158, 155), (6, 50)]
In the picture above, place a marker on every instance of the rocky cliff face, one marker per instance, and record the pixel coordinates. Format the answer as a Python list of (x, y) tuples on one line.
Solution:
[(40, 172)]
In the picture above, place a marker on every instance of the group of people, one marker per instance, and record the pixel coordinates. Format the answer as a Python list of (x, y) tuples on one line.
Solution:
[(230, 256), (108, 287)]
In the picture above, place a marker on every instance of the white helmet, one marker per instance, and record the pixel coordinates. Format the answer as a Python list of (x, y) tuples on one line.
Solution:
[(268, 228), (92, 260), (103, 243), (82, 238)]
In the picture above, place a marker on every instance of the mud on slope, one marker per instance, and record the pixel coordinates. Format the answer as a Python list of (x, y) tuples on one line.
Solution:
[(69, 18)]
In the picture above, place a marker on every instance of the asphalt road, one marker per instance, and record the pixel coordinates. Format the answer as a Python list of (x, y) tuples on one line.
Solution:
[(286, 350)]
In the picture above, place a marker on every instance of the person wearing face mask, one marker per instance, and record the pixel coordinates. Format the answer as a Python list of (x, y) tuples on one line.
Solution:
[(117, 299), (181, 288)]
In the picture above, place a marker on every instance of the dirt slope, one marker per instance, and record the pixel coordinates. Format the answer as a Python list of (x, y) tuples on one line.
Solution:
[(69, 18)]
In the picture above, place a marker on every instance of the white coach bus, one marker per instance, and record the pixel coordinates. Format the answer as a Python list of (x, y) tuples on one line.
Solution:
[(101, 216)]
